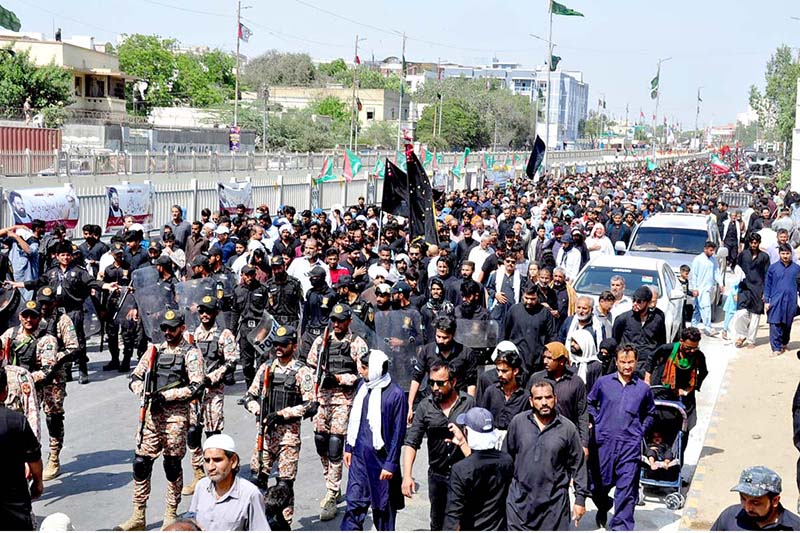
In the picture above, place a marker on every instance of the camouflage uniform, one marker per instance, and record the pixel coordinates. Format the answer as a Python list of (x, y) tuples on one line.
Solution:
[(330, 422), (22, 397), (282, 441), (166, 424), (211, 408)]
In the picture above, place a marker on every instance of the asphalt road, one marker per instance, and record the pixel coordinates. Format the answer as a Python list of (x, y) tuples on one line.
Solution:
[(95, 486)]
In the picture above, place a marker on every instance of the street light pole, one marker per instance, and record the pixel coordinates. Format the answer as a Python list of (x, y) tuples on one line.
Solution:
[(265, 95), (697, 118), (658, 98), (354, 113), (402, 91), (549, 87), (238, 40)]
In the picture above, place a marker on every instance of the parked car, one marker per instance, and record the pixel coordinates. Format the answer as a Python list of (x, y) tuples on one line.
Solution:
[(637, 271)]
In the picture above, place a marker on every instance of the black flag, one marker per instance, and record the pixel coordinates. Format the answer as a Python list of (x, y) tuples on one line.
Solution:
[(394, 199), (423, 217), (537, 156)]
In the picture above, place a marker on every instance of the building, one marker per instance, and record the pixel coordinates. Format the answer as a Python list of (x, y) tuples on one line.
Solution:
[(99, 84), (570, 97), (376, 104)]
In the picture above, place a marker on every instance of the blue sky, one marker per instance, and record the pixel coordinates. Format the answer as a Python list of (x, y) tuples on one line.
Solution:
[(720, 45)]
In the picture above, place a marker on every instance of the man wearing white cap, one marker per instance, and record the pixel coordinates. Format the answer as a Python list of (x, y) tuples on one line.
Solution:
[(223, 501)]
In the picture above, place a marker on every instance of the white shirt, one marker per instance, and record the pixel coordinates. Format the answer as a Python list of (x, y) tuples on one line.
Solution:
[(570, 261), (300, 269), (239, 509), (478, 256)]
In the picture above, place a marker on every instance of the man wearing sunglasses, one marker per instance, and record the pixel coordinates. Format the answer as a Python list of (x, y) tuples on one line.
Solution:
[(640, 327), (176, 377), (220, 352), (290, 398), (339, 354)]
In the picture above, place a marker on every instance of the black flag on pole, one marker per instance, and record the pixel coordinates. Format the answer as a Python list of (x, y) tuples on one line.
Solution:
[(394, 199), (536, 158), (423, 216)]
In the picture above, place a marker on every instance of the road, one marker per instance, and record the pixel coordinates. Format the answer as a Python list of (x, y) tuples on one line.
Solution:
[(95, 486)]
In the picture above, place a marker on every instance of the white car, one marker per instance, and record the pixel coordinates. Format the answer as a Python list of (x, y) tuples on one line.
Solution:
[(596, 276)]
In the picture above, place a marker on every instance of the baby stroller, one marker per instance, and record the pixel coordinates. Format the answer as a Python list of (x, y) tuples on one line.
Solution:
[(671, 422)]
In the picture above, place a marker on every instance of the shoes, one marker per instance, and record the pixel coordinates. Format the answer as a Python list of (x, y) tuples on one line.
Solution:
[(84, 377), (53, 468), (601, 518), (724, 335), (137, 521), (241, 401), (328, 506), (777, 354), (113, 365), (199, 474), (230, 380)]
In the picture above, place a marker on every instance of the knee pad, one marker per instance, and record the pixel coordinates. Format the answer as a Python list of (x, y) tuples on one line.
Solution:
[(142, 467), (321, 443), (194, 436), (336, 448), (209, 433), (288, 484), (55, 425), (172, 468)]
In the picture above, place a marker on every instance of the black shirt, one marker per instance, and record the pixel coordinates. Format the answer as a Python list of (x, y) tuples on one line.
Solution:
[(734, 518), (570, 399), (18, 446), (476, 499), (429, 420), (647, 336), (492, 398), (465, 370), (530, 331)]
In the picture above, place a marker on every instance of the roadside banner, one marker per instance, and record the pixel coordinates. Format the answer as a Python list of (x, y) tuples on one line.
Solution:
[(135, 200), (233, 194), (54, 205)]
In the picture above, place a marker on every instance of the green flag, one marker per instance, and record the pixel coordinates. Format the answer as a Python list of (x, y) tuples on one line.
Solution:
[(352, 165), (654, 85), (651, 165), (326, 174), (379, 168), (561, 9), (554, 61), (428, 160), (9, 20), (400, 158)]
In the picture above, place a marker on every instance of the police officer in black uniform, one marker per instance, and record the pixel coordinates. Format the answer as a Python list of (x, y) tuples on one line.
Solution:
[(135, 256), (320, 299), (249, 301), (120, 273), (285, 295), (132, 332), (72, 285), (347, 294)]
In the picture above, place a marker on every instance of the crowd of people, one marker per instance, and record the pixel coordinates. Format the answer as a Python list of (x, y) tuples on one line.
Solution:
[(527, 395)]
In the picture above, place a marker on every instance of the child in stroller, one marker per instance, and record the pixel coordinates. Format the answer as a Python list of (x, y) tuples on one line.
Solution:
[(659, 453)]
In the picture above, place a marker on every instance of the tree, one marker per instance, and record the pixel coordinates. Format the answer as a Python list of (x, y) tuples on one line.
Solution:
[(204, 80), (593, 126), (279, 69), (332, 107), (462, 126), (776, 105), (747, 135), (380, 134), (49, 87), (333, 68), (150, 58)]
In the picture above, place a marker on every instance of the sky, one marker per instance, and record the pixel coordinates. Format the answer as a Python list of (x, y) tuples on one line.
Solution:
[(722, 46)]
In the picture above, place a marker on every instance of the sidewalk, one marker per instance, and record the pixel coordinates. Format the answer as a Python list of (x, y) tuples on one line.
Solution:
[(751, 425)]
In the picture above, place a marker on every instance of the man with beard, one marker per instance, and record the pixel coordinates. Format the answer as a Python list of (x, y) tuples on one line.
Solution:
[(301, 268), (505, 289), (177, 375), (549, 298), (446, 350), (502, 392), (466, 244), (21, 216), (583, 355), (218, 348), (750, 304), (435, 307), (180, 228), (704, 279), (285, 242), (547, 455), (759, 505), (419, 264), (530, 326), (346, 294), (196, 244), (640, 327), (622, 409), (250, 299), (92, 247), (584, 319), (780, 297), (452, 285), (773, 251), (434, 414), (284, 295), (578, 242), (342, 349), (562, 296), (616, 230), (316, 308), (470, 307)]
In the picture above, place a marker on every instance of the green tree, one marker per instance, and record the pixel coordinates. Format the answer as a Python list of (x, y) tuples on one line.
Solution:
[(49, 87), (381, 134), (279, 69), (462, 126), (204, 80), (150, 58), (333, 68), (776, 105), (747, 134), (332, 107)]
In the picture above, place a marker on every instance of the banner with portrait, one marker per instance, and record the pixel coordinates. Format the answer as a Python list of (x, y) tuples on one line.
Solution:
[(135, 200), (498, 176), (54, 205), (233, 194)]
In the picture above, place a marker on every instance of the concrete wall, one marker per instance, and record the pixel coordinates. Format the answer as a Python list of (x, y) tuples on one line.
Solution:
[(139, 139)]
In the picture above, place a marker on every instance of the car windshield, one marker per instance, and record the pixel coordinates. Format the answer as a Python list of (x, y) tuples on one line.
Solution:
[(669, 240), (596, 279)]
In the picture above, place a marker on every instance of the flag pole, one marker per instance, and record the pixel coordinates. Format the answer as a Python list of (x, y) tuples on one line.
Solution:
[(238, 40), (658, 99), (354, 112), (402, 91), (697, 118), (549, 88)]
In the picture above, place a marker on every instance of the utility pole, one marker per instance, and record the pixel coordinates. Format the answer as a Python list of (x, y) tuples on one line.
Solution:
[(265, 122), (238, 40), (402, 92), (354, 113), (658, 98), (697, 119), (549, 87)]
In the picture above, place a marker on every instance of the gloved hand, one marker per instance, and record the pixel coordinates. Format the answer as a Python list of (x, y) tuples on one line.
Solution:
[(157, 399), (272, 419), (329, 381), (312, 409)]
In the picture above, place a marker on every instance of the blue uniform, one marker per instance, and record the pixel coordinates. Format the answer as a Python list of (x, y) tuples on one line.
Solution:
[(622, 415), (780, 292), (364, 487)]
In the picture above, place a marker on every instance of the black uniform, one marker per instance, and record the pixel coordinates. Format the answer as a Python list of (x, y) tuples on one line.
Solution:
[(316, 309), (284, 299), (111, 300), (92, 254), (249, 302)]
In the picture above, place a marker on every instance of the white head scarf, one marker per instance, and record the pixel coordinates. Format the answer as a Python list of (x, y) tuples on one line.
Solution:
[(376, 382), (587, 343)]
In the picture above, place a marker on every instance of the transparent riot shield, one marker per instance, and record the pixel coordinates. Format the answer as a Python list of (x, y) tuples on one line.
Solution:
[(91, 320), (144, 277), (359, 328), (477, 334), (261, 336), (188, 296), (398, 333), (223, 287), (152, 302), (9, 302)]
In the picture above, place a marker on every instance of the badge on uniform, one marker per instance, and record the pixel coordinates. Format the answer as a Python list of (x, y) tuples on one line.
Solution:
[(281, 331), (308, 383), (324, 302), (406, 321)]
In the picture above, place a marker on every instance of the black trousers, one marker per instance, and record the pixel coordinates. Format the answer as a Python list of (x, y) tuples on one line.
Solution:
[(76, 315), (437, 493)]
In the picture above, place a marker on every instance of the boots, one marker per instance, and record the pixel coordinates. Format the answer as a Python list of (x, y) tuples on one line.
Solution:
[(199, 474), (125, 365), (170, 516), (328, 506), (114, 363), (137, 521), (53, 468)]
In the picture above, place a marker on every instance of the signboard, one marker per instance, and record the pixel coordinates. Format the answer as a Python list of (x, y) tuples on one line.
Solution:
[(233, 194), (235, 138), (135, 200), (54, 205)]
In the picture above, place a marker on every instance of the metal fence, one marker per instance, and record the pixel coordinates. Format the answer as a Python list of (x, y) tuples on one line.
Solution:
[(197, 189)]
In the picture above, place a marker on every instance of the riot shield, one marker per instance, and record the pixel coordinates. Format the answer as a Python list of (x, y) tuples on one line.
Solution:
[(398, 333), (91, 320), (9, 302), (144, 277), (359, 328), (477, 334), (188, 295), (152, 303), (223, 286), (260, 337)]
